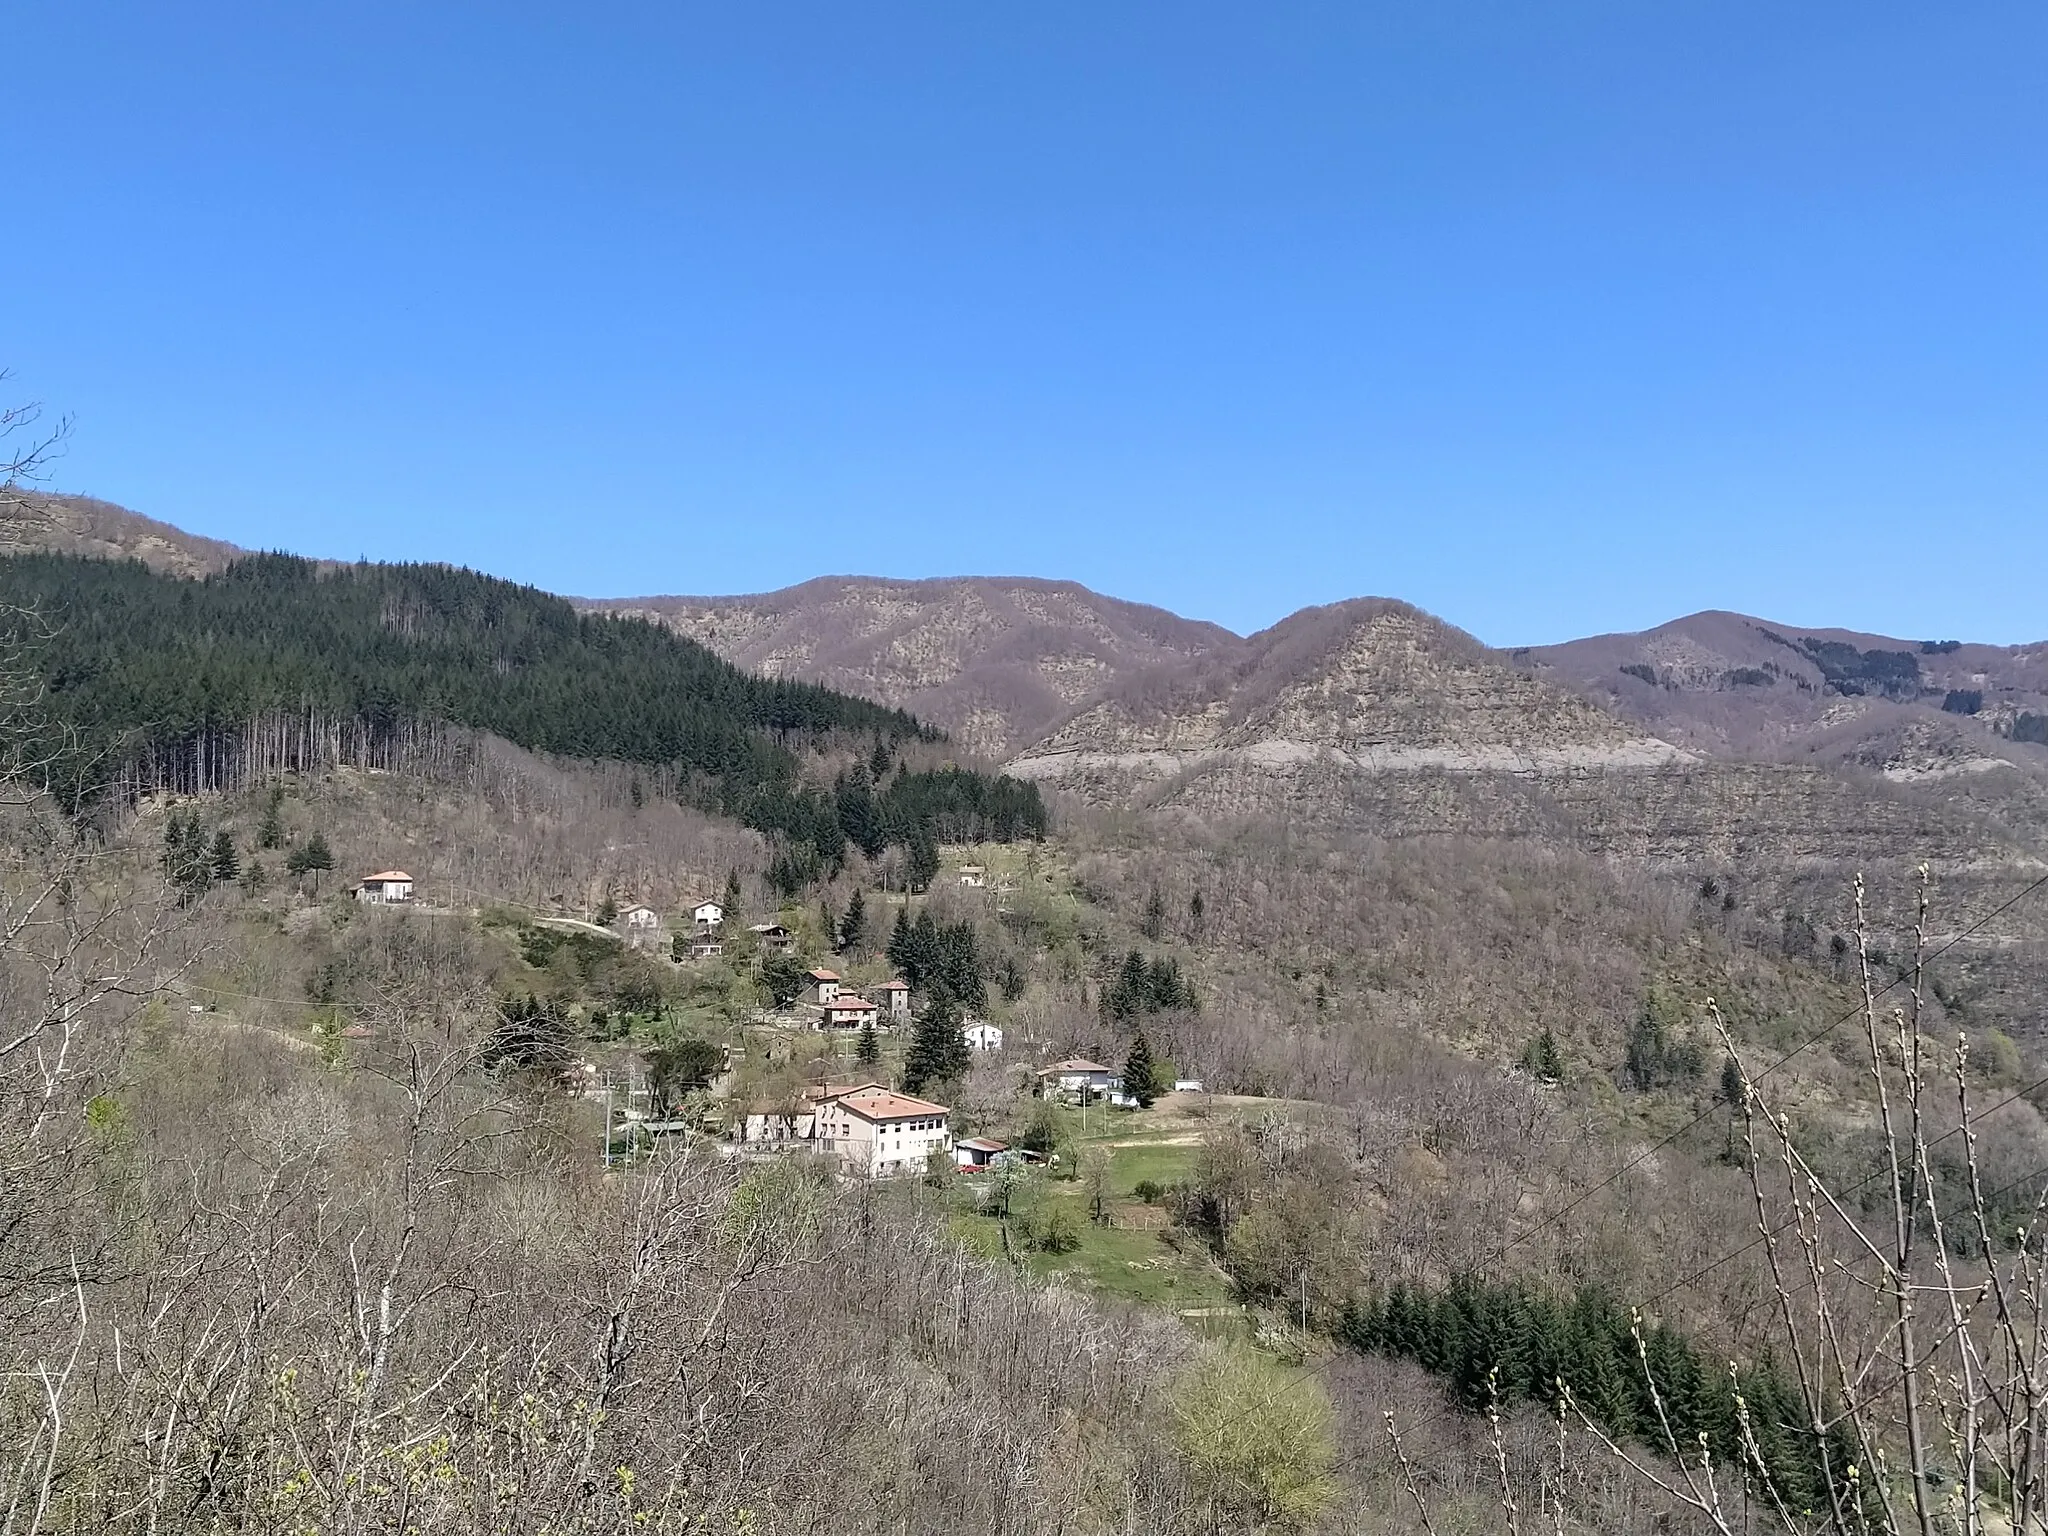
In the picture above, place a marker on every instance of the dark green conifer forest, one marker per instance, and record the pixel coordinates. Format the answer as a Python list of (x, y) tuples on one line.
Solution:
[(150, 681), (1509, 1342)]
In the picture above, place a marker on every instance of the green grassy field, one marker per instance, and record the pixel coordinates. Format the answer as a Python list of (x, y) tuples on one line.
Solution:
[(1130, 1257)]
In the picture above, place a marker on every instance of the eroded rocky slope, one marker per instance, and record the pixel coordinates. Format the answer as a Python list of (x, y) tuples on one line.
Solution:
[(1372, 685)]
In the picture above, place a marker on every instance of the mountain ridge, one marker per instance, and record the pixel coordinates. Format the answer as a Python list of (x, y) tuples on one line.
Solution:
[(994, 660), (1012, 666)]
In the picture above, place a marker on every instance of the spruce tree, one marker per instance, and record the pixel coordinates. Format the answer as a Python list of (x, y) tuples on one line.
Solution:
[(868, 1050), (1541, 1059), (1139, 1081), (854, 926), (923, 864), (1153, 926), (227, 865), (184, 858), (271, 833), (310, 857), (901, 945), (938, 1051), (730, 901)]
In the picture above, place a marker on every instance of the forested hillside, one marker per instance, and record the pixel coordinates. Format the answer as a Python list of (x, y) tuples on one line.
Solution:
[(149, 681)]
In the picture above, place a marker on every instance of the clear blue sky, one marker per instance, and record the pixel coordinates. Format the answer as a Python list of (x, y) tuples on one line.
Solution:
[(1551, 318)]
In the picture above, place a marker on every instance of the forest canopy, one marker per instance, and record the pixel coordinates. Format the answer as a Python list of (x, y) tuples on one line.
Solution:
[(135, 665)]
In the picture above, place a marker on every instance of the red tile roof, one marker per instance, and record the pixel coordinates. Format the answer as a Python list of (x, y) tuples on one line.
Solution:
[(884, 1104), (823, 975)]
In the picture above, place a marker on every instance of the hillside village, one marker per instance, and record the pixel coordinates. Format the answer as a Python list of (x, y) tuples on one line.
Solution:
[(865, 1127)]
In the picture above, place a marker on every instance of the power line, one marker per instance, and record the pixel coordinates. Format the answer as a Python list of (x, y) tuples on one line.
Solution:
[(1857, 1188), (1814, 1039)]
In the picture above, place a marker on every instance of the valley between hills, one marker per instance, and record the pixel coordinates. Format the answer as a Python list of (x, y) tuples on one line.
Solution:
[(1473, 954)]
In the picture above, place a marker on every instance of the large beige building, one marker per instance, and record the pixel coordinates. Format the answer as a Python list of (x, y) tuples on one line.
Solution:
[(877, 1132)]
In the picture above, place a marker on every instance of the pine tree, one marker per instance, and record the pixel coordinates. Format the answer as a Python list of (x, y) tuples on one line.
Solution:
[(310, 857), (900, 945), (730, 901), (1153, 925), (1541, 1059), (828, 922), (878, 760), (184, 857), (1195, 915), (271, 833), (853, 928), (938, 1051), (227, 865), (868, 1050), (1139, 1075), (923, 864)]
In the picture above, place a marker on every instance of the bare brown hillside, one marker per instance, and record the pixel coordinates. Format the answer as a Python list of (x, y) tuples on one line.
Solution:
[(1737, 686), (995, 661), (81, 525)]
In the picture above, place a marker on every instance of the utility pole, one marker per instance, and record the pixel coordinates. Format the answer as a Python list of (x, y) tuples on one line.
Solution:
[(607, 1120)]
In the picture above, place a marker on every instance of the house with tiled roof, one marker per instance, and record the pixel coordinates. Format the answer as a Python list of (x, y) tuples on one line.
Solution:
[(877, 1133), (822, 987), (846, 1011), (387, 885)]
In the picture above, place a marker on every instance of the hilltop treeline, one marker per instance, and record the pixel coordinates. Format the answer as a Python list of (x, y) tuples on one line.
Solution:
[(209, 684)]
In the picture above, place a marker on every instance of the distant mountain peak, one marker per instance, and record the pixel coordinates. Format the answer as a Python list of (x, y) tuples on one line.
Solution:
[(994, 660), (1372, 684)]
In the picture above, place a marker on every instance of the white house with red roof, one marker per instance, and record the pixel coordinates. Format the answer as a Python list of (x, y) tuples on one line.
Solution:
[(876, 1133), (846, 1011), (894, 998), (390, 885), (823, 988)]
